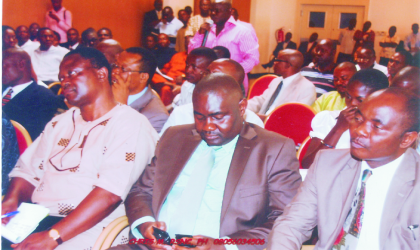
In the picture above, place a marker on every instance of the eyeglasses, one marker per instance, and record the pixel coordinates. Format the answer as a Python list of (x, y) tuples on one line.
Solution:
[(280, 60), (116, 66)]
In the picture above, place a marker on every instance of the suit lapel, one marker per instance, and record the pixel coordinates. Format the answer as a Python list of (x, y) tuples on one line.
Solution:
[(401, 185), (141, 102), (238, 164)]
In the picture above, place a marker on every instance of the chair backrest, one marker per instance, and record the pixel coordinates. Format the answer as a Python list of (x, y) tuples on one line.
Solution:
[(55, 87), (302, 149), (110, 232), (22, 135), (292, 120), (260, 85)]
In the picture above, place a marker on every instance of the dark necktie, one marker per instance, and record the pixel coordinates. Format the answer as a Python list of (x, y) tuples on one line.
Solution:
[(7, 97), (273, 97)]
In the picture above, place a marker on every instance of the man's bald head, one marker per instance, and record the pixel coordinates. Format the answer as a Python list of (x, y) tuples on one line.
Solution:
[(324, 53), (288, 62), (16, 67), (347, 66), (218, 82), (110, 48), (226, 2), (408, 78), (229, 67), (294, 57)]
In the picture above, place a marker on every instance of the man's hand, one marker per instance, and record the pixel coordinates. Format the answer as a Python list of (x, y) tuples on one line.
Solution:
[(7, 207), (345, 117), (146, 229), (262, 117), (209, 245), (120, 88), (179, 80), (37, 241), (203, 28), (54, 16)]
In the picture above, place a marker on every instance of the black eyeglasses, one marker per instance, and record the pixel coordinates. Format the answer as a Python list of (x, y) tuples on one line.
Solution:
[(116, 66), (279, 60)]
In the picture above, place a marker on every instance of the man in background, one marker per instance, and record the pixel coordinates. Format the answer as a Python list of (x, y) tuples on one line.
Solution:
[(59, 19), (22, 35), (72, 39)]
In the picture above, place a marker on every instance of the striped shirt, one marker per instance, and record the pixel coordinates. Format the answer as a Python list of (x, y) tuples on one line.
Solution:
[(324, 82), (239, 39)]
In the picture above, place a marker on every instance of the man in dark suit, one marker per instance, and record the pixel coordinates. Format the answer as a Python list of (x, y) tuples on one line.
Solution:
[(72, 39), (220, 177), (286, 44), (306, 48), (24, 100), (365, 197), (132, 72), (151, 19)]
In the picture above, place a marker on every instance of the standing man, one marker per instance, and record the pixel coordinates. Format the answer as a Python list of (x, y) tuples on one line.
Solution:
[(388, 44), (169, 25), (290, 87), (22, 35), (72, 39), (196, 21), (240, 40), (180, 37), (412, 42), (365, 37), (151, 19), (33, 31), (59, 19), (131, 75), (365, 197), (220, 177), (346, 42), (307, 48)]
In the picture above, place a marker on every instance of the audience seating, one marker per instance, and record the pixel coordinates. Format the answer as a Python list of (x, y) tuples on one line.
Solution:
[(22, 135), (292, 120), (55, 87), (155, 93), (109, 233), (260, 85), (302, 149)]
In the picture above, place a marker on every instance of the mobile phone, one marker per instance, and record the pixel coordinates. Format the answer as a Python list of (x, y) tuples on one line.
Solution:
[(162, 235), (180, 236)]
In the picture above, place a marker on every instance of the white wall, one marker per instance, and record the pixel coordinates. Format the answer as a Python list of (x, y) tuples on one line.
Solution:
[(177, 5)]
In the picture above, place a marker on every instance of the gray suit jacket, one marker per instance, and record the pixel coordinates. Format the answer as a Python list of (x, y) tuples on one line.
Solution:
[(325, 197), (262, 179), (152, 107)]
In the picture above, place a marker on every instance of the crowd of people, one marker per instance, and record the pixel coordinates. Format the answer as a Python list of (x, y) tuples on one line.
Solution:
[(166, 135)]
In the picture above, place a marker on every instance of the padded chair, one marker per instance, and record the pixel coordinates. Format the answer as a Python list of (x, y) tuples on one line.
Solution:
[(292, 120), (302, 149), (22, 135), (55, 87), (260, 85), (110, 232)]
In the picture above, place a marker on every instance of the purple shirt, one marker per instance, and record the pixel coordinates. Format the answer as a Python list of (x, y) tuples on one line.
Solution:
[(239, 39)]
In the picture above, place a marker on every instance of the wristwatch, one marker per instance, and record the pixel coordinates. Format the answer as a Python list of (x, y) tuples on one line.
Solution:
[(55, 235)]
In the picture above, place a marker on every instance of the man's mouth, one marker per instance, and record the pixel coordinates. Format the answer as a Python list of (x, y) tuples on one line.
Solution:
[(355, 143)]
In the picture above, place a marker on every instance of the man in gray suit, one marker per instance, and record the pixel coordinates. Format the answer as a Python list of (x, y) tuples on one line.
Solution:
[(220, 177), (131, 75), (366, 197), (290, 87)]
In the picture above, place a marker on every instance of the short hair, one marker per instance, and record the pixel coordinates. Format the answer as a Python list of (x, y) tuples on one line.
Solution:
[(408, 58), (371, 78), (86, 32), (4, 28), (107, 29), (218, 82), (148, 60), (225, 53), (41, 30), (208, 53), (96, 58), (74, 30), (188, 9), (57, 35)]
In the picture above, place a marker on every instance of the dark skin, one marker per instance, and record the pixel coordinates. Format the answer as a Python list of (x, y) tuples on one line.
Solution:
[(22, 34), (150, 42), (355, 94), (365, 58), (408, 78), (87, 88), (220, 14), (395, 64), (205, 8), (391, 32), (72, 36), (57, 5), (342, 76), (167, 15), (183, 17), (46, 38), (324, 53), (195, 68), (163, 41), (378, 130), (16, 67), (104, 34), (33, 30), (158, 6), (9, 39)]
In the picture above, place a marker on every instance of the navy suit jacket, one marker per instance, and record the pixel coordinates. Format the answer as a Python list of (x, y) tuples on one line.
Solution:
[(149, 17), (33, 108), (279, 47)]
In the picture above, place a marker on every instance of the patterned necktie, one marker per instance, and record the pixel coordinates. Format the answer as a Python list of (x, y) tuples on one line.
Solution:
[(7, 97), (273, 97), (349, 235)]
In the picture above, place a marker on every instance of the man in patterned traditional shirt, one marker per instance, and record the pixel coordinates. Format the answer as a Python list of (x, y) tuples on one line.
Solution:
[(196, 21), (86, 160)]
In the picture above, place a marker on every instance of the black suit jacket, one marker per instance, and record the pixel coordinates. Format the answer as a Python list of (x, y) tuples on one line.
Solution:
[(33, 108), (149, 17), (67, 45), (279, 47)]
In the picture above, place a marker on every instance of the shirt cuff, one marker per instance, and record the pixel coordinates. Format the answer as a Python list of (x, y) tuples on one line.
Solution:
[(230, 247), (137, 223)]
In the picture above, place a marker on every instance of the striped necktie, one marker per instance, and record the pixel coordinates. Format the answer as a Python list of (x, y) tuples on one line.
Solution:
[(7, 97)]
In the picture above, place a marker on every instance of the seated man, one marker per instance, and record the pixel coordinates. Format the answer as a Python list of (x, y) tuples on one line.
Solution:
[(197, 62), (104, 33), (408, 78), (24, 101), (85, 162), (334, 100), (219, 177), (8, 37), (164, 53), (330, 129), (89, 38), (365, 197), (131, 75), (397, 62), (221, 52), (110, 48), (365, 58), (22, 35), (47, 58), (320, 72), (291, 87), (72, 39), (184, 114), (169, 25)]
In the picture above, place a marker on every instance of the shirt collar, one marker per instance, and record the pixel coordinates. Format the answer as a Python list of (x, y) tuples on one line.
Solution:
[(227, 147), (231, 21), (17, 89), (288, 80), (132, 98), (390, 166)]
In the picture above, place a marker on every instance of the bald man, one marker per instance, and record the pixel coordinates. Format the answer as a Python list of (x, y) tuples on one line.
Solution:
[(110, 48), (24, 100), (290, 87), (184, 114), (365, 59), (335, 100), (220, 177), (409, 79)]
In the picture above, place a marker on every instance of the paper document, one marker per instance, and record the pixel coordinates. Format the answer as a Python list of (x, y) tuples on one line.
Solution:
[(24, 223)]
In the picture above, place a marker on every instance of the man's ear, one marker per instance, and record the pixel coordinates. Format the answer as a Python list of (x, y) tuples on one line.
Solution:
[(144, 77), (102, 73), (242, 106), (408, 139)]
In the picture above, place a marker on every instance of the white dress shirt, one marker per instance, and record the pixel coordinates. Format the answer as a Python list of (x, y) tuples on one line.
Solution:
[(30, 46), (377, 66), (132, 98), (16, 89), (185, 96), (185, 115), (170, 28), (322, 124), (74, 46), (46, 63)]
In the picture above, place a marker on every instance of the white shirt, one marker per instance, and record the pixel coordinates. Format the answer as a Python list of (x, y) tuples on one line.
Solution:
[(185, 115), (376, 193), (286, 84), (74, 46), (30, 46), (346, 41), (46, 63), (377, 66), (412, 41), (185, 96), (132, 98), (170, 28), (16, 89), (322, 124)]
